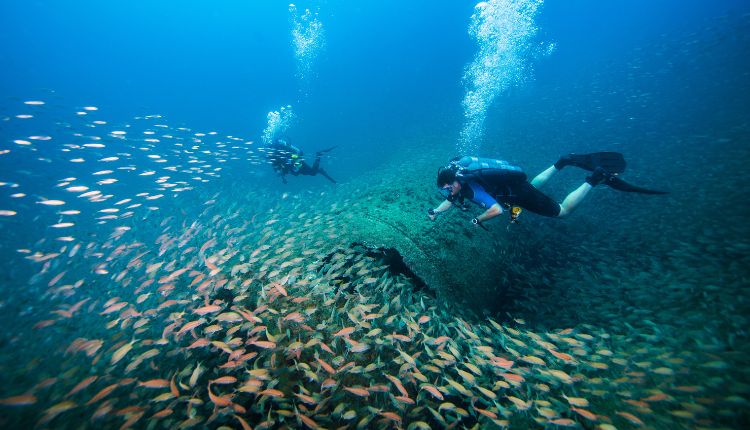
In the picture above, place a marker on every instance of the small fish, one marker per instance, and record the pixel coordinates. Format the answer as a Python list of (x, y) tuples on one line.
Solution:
[(22, 400), (121, 352), (357, 391), (520, 404), (631, 418), (62, 225), (56, 410), (577, 401), (190, 326), (207, 309), (154, 383), (51, 202), (346, 331), (103, 393), (271, 393), (220, 401), (307, 421), (564, 422), (81, 385), (584, 413), (224, 380), (434, 391), (533, 360), (197, 372)]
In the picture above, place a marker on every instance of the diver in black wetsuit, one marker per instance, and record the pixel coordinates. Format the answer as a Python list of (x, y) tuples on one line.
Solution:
[(488, 183), (286, 159)]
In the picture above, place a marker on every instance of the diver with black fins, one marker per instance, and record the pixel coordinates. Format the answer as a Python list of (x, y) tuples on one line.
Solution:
[(287, 159), (493, 184)]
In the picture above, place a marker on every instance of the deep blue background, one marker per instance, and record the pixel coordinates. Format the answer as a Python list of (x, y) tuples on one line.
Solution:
[(389, 67)]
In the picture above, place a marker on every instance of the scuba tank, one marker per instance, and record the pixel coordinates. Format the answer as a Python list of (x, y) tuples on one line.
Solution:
[(486, 169)]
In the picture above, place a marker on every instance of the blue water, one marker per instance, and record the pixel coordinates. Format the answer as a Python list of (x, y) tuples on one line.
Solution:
[(224, 66), (666, 83)]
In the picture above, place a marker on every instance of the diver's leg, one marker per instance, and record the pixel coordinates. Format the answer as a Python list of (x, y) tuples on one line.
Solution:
[(530, 198), (574, 199), (304, 169), (323, 172), (543, 177), (316, 164)]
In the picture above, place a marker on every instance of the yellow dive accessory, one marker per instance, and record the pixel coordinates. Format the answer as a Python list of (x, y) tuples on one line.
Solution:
[(515, 211)]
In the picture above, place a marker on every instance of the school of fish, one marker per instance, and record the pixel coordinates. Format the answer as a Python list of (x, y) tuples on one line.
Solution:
[(174, 304)]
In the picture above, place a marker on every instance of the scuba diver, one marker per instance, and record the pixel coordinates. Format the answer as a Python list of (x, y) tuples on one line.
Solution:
[(287, 159), (490, 183)]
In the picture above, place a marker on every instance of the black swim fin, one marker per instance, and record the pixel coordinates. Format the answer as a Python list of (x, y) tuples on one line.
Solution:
[(611, 162), (323, 151), (620, 185)]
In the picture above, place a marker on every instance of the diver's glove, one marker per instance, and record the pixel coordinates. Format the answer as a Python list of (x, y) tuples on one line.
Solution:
[(431, 213), (476, 223)]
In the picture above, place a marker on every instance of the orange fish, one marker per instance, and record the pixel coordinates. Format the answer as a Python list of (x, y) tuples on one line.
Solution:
[(441, 340), (22, 400), (162, 413), (154, 383), (199, 343), (630, 417), (207, 309), (114, 308), (398, 384), (263, 344), (309, 422), (561, 355), (43, 324), (81, 385), (391, 416), (486, 413), (294, 316), (220, 401), (306, 399), (434, 391), (190, 326), (243, 423), (224, 380), (280, 288), (103, 393), (512, 377), (584, 413), (327, 367), (357, 391), (271, 392), (404, 399), (657, 398), (344, 332)]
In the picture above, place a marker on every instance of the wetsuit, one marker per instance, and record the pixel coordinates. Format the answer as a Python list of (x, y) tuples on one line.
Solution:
[(510, 191), (286, 159)]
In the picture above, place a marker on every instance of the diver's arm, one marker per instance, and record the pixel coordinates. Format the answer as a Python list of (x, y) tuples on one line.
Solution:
[(432, 213), (490, 213)]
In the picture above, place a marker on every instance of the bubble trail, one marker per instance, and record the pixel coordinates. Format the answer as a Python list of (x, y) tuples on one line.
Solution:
[(307, 40), (278, 123), (503, 30)]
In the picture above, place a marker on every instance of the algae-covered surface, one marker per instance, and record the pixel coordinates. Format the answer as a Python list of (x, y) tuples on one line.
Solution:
[(288, 310)]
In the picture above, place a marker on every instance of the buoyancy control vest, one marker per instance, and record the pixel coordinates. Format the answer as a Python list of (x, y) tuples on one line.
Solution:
[(486, 170)]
